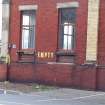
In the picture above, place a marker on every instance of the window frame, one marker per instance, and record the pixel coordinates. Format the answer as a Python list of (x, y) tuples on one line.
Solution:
[(61, 30), (34, 29)]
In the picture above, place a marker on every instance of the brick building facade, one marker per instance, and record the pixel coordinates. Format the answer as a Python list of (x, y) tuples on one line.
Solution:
[(57, 42)]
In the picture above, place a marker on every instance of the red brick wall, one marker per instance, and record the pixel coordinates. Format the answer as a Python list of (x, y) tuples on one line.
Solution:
[(84, 77), (3, 72), (47, 26), (101, 37), (43, 73), (47, 39), (101, 78), (55, 74)]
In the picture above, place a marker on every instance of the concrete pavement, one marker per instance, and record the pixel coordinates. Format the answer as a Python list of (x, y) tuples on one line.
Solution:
[(54, 97)]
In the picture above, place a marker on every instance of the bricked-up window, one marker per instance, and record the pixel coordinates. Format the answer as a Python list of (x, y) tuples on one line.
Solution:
[(28, 29), (67, 17)]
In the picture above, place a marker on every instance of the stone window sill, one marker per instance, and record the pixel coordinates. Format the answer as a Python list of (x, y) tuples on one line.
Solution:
[(65, 53), (23, 52)]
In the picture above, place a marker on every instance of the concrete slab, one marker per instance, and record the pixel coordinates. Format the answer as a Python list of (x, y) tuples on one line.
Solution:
[(54, 97)]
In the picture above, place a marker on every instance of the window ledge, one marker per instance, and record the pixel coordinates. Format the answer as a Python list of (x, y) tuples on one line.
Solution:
[(26, 56), (65, 53), (25, 52), (59, 63)]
